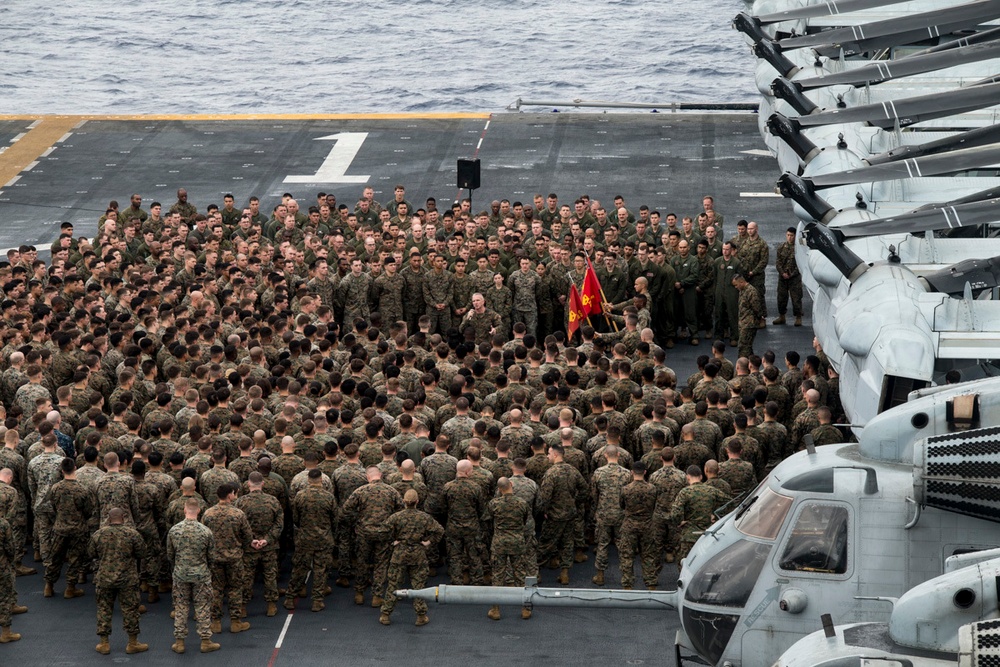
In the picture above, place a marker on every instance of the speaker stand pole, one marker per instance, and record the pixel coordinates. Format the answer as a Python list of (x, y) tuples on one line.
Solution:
[(471, 210)]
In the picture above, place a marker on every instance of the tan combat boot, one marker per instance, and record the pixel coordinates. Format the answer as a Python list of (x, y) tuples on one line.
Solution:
[(154, 595), (359, 598), (598, 579), (525, 613), (72, 592), (207, 646), (780, 319), (104, 648), (798, 321), (165, 587), (377, 601), (289, 603), (272, 609), (236, 626), (494, 613), (48, 592), (343, 582), (216, 625), (580, 556), (18, 609), (178, 646), (318, 605), (651, 588), (564, 576), (384, 618), (6, 636), (422, 620), (23, 570), (134, 646)]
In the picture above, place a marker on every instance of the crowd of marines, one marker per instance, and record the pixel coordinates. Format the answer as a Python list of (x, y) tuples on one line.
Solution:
[(189, 397)]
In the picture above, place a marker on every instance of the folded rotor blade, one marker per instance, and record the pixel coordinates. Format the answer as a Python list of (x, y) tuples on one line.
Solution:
[(942, 217), (824, 9), (980, 136), (978, 274), (887, 70), (910, 110), (932, 165)]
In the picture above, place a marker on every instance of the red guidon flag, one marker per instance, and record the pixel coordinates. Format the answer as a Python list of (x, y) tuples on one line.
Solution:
[(576, 310), (591, 296)]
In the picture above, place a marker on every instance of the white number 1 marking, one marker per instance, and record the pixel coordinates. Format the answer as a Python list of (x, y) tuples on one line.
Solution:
[(335, 166)]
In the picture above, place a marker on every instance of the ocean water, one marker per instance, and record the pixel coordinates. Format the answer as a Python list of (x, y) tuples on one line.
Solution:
[(313, 56)]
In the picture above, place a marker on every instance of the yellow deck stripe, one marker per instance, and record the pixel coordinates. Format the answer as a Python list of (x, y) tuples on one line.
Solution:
[(264, 116), (30, 147)]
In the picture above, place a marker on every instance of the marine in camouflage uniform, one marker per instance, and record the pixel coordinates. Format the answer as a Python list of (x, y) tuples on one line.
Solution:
[(190, 547), (14, 509), (117, 548), (232, 534), (482, 325), (314, 512), (346, 479), (789, 280), (562, 490), (501, 301), (462, 289), (668, 481), (754, 255), (73, 506), (693, 512), (639, 502), (524, 286), (751, 311), (43, 473), (437, 290), (353, 290), (606, 486), (510, 515), (412, 532), (387, 294), (413, 295), (739, 474), (267, 521), (8, 558), (367, 510), (463, 503)]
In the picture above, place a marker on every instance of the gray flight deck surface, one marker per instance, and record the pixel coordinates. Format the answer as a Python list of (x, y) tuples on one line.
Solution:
[(667, 161)]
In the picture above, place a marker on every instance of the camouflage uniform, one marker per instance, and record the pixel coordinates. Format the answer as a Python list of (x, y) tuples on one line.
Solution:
[(827, 434), (408, 529), (510, 516), (118, 550), (43, 473), (751, 311), (367, 509), (211, 480), (606, 495), (437, 288), (463, 503), (232, 534), (267, 520), (190, 546), (739, 474), (668, 481), (482, 324), (413, 296), (353, 291), (525, 289), (117, 490), (562, 490), (693, 512), (754, 254), (14, 509), (8, 557), (388, 297), (639, 501), (72, 506), (347, 478), (501, 301), (791, 286), (462, 289), (150, 504), (314, 512)]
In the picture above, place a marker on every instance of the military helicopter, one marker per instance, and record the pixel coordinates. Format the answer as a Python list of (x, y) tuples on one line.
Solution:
[(834, 529)]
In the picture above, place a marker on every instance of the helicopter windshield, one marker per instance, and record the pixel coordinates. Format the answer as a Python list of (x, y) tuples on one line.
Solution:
[(763, 516), (818, 542)]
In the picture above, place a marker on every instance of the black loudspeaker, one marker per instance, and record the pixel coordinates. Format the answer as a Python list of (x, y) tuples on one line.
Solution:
[(468, 174)]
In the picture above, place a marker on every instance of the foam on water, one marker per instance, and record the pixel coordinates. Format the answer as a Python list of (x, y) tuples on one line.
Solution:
[(312, 56)]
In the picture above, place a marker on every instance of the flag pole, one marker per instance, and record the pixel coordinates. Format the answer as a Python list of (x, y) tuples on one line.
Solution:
[(604, 299)]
